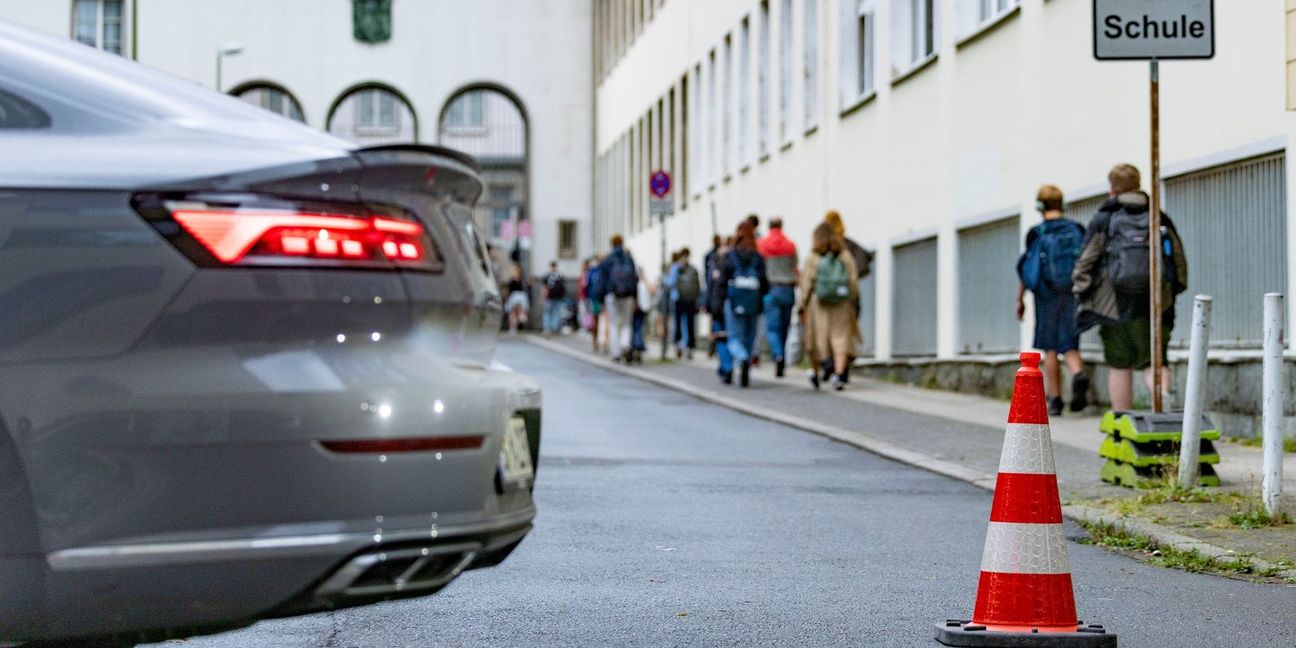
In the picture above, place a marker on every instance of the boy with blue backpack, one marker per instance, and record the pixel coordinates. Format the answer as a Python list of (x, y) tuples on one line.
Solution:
[(743, 280), (1045, 268), (620, 277)]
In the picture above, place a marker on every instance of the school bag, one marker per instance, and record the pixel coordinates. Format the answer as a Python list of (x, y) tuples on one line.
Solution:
[(1052, 257), (1126, 253), (688, 284), (623, 279), (744, 287), (832, 280)]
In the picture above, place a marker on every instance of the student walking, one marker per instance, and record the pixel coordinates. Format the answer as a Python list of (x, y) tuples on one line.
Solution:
[(781, 263), (716, 308), (685, 284), (555, 299), (745, 284), (1112, 280), (863, 266), (593, 289), (519, 299), (828, 293), (1044, 269), (621, 279)]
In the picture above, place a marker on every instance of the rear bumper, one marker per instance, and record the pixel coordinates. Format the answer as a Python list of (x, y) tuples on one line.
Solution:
[(219, 583)]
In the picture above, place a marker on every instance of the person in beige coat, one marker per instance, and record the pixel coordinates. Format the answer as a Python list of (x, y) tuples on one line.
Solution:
[(828, 294)]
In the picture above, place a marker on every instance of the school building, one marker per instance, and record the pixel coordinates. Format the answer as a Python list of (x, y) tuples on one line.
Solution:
[(929, 124)]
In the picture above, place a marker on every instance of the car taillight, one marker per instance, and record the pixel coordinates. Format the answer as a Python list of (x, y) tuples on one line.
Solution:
[(348, 236)]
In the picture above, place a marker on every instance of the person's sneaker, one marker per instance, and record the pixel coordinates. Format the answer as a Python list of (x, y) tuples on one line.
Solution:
[(837, 383), (727, 377), (1079, 392), (779, 367), (1055, 406), (813, 376), (744, 374)]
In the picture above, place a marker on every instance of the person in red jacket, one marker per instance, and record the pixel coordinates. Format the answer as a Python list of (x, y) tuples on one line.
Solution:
[(781, 262)]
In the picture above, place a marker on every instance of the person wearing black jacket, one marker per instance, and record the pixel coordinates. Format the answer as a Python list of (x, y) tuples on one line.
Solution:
[(743, 281)]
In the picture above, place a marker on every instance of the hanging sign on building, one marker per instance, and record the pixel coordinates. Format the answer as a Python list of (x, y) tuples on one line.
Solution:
[(1142, 30)]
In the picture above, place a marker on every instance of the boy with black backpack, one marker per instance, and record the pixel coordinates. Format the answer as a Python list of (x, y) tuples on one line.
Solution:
[(621, 283), (1044, 269), (685, 283), (1112, 282), (555, 299)]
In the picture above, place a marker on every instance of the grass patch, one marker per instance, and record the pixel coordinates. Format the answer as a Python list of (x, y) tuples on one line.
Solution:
[(1289, 443), (1254, 518), (1111, 536), (1167, 493)]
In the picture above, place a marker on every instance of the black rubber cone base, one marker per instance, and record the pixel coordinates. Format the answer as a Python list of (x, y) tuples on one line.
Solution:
[(956, 632)]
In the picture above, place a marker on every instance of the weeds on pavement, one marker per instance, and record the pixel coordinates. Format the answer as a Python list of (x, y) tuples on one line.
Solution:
[(1113, 536)]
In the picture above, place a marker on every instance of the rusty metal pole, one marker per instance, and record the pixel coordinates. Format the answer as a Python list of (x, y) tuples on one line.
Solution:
[(1154, 239)]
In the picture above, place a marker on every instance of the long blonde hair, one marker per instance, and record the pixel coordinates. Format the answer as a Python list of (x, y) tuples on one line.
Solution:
[(827, 240)]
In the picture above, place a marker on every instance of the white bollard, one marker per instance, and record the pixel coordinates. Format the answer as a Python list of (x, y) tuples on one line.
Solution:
[(1194, 396), (1272, 406)]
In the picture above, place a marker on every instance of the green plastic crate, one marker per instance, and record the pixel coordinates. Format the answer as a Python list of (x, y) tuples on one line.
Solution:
[(1152, 453), (1143, 427)]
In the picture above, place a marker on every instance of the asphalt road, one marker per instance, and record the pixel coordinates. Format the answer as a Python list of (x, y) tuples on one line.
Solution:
[(665, 521)]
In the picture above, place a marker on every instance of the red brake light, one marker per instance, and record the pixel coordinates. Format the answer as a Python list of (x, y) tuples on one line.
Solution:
[(287, 237)]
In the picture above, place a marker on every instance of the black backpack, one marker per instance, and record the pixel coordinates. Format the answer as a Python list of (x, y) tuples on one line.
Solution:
[(555, 286), (689, 284), (1127, 264), (624, 279)]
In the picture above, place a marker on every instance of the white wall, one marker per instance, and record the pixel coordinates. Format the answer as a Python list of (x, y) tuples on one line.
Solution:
[(540, 51), (969, 137)]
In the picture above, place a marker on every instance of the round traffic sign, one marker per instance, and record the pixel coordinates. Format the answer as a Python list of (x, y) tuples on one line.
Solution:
[(659, 183)]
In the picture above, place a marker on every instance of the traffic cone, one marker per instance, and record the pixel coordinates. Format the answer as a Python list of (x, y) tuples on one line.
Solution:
[(1024, 597)]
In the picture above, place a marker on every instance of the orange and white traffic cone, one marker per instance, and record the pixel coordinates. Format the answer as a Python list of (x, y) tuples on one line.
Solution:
[(1025, 597)]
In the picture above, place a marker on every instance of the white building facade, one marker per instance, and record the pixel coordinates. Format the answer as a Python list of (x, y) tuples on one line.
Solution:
[(506, 81), (929, 125)]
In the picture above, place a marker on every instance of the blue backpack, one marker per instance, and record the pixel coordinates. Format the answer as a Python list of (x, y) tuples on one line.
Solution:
[(623, 279), (597, 287), (744, 287), (1051, 259)]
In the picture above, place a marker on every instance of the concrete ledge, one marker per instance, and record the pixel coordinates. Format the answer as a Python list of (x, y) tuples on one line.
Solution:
[(1080, 513)]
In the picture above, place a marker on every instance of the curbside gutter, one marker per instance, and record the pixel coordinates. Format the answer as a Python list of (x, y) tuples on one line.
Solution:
[(1077, 512)]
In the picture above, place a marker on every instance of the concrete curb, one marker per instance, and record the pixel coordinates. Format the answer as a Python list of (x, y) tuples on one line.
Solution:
[(1079, 513)]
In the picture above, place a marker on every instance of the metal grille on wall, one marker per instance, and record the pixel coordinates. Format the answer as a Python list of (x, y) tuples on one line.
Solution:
[(1232, 220), (868, 315), (987, 279), (913, 299)]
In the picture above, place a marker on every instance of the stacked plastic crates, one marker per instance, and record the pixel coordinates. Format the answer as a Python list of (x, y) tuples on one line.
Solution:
[(1140, 445)]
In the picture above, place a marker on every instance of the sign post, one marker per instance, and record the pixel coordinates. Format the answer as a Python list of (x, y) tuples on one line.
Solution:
[(1152, 30), (660, 204)]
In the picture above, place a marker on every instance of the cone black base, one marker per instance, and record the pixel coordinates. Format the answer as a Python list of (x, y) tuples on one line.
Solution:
[(965, 633)]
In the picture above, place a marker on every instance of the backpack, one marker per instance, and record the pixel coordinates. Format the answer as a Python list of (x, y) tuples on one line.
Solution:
[(623, 279), (597, 287), (1052, 257), (688, 284), (744, 287), (832, 280), (1126, 253), (555, 287)]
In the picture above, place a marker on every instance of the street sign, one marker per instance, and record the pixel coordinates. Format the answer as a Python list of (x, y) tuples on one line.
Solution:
[(659, 183), (1141, 30)]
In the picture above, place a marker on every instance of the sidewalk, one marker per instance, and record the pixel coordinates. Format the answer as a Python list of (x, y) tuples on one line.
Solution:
[(961, 436)]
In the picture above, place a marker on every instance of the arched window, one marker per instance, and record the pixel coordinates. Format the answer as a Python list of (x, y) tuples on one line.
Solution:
[(373, 115), (275, 99)]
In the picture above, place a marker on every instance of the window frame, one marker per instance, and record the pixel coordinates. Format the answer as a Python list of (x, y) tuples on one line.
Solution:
[(810, 65), (100, 26)]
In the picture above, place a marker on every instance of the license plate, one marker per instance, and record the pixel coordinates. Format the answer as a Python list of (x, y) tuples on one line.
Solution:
[(515, 457)]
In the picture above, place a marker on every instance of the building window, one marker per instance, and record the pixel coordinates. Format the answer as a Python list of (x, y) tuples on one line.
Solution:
[(567, 246), (810, 63), (98, 23), (983, 278), (974, 15), (467, 111), (785, 69), (276, 100), (695, 120), (744, 93), (762, 80), (713, 160), (914, 35), (859, 51), (373, 115), (726, 117)]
